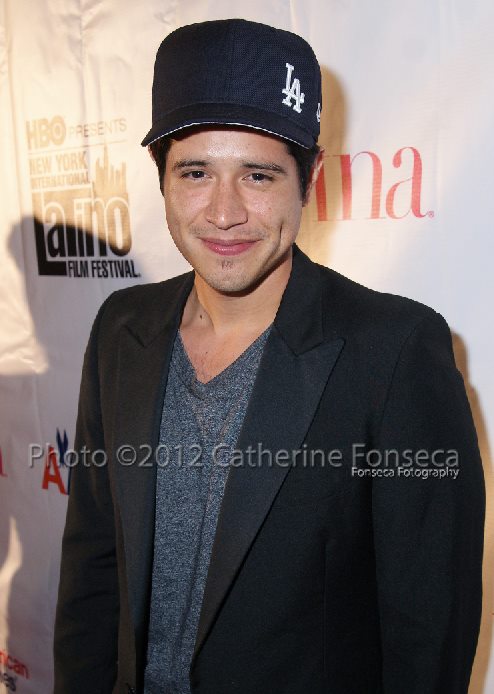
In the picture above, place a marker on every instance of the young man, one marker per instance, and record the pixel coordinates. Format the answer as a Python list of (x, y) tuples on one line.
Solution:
[(292, 499)]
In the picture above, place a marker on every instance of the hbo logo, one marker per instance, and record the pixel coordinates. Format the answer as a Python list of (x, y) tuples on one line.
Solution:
[(43, 132)]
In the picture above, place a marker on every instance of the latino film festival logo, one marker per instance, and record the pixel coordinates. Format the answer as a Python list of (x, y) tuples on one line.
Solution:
[(80, 199)]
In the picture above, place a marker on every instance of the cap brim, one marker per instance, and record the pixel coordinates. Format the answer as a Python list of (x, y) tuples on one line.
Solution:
[(228, 114)]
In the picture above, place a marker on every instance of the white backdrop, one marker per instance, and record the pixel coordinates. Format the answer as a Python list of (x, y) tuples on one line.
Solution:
[(405, 206)]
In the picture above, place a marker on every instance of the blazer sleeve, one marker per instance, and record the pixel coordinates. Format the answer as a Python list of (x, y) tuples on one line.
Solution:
[(428, 530), (86, 624)]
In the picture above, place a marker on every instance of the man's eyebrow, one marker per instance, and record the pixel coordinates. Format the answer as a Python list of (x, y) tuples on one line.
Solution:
[(184, 163), (261, 166), (266, 166)]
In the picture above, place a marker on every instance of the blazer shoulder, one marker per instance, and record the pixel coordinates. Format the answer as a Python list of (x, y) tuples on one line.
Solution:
[(142, 295), (142, 307), (359, 308)]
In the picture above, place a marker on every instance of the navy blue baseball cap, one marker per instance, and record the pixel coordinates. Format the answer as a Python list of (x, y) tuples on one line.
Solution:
[(236, 72)]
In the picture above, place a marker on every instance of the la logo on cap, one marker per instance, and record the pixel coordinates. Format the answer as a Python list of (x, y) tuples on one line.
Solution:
[(292, 90)]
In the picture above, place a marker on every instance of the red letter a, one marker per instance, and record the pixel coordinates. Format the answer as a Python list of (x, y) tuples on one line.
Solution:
[(52, 472)]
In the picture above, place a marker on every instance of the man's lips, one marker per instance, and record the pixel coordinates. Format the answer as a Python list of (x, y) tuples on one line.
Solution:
[(229, 246)]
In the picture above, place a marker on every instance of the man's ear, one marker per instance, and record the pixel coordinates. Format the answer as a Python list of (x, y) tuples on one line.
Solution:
[(314, 173), (151, 153)]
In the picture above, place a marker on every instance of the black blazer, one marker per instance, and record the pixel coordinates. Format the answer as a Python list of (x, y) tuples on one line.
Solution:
[(320, 581)]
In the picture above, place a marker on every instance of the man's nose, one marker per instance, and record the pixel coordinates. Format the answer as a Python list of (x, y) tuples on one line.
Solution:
[(226, 207)]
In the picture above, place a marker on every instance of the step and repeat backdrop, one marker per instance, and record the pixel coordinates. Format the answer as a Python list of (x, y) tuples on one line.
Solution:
[(404, 204)]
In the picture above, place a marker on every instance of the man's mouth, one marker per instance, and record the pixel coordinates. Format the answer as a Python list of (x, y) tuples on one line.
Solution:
[(228, 246)]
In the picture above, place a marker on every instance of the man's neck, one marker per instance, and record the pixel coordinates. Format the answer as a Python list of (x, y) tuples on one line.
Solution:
[(223, 314)]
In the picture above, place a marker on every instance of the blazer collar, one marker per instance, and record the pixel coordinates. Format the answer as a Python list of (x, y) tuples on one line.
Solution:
[(161, 311), (299, 317)]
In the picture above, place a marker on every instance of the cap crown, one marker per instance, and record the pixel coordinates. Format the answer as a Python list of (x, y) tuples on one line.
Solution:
[(237, 72)]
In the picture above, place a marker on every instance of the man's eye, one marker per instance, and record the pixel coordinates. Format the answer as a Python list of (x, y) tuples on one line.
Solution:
[(194, 174), (260, 177)]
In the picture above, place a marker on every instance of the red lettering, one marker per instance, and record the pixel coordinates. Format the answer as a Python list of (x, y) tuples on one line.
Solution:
[(322, 213), (403, 197), (346, 163), (13, 664), (416, 186), (51, 473)]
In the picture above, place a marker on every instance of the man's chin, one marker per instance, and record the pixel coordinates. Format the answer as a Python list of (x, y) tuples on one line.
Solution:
[(231, 286), (233, 280)]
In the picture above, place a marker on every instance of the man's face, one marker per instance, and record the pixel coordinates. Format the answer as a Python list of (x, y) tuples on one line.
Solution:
[(233, 204)]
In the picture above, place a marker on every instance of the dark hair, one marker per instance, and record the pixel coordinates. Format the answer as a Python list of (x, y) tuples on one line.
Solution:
[(159, 150), (304, 159)]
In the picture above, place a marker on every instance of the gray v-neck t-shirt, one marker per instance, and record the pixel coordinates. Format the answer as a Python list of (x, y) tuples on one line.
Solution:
[(199, 428)]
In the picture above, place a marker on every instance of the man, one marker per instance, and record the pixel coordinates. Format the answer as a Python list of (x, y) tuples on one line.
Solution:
[(292, 500)]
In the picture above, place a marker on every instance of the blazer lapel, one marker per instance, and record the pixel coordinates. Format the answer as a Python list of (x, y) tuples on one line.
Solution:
[(293, 372), (145, 346)]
